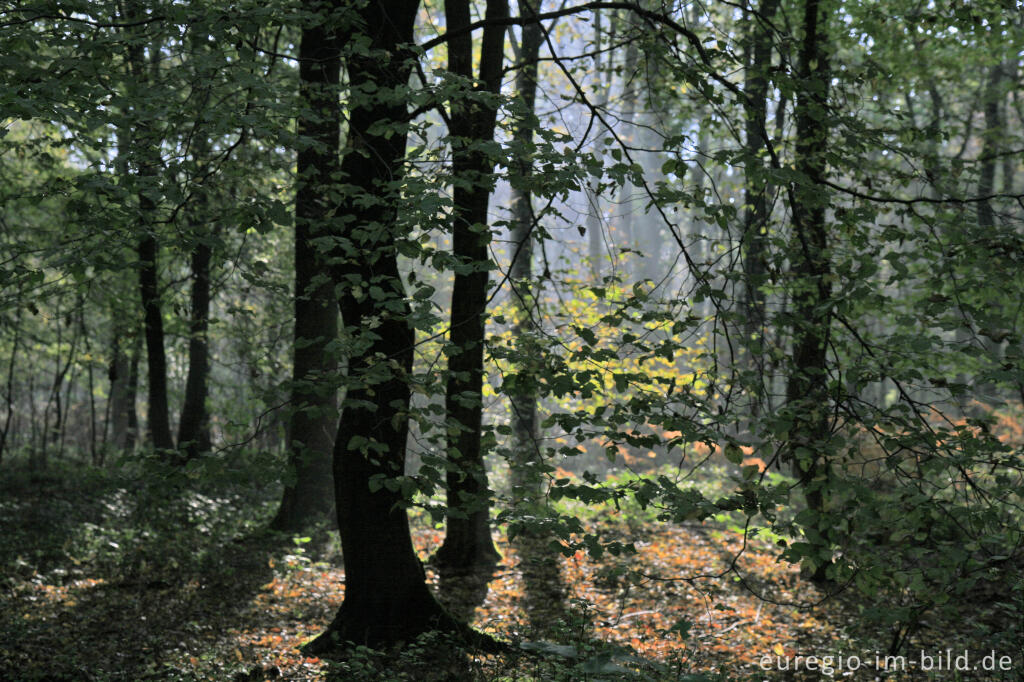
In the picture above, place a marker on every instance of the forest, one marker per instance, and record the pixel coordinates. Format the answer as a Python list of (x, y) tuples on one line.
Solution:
[(532, 340)]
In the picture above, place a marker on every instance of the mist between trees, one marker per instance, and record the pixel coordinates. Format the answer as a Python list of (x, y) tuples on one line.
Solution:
[(523, 273)]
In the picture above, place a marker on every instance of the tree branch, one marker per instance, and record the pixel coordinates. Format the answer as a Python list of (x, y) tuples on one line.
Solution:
[(653, 17)]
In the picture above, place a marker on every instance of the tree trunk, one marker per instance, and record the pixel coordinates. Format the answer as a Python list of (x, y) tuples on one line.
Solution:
[(11, 363), (95, 456), (526, 481), (755, 218), (386, 596), (132, 434), (468, 542), (992, 136), (313, 421), (629, 97), (158, 422), (143, 149), (194, 426), (807, 392), (118, 406), (53, 429), (595, 216)]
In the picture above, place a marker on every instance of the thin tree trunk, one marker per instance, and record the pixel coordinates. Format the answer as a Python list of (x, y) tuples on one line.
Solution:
[(468, 542), (142, 148), (991, 144), (94, 455), (755, 219), (132, 434), (194, 424), (595, 216), (526, 481), (115, 431), (72, 367), (35, 441), (11, 363), (629, 97), (52, 435), (541, 569)]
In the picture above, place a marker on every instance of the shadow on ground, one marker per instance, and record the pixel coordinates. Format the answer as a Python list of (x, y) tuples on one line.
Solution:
[(99, 586)]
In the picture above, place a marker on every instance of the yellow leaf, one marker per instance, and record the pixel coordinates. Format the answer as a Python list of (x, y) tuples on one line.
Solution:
[(779, 651)]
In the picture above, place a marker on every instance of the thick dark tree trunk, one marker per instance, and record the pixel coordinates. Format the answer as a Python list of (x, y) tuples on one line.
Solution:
[(807, 393), (468, 542), (194, 426), (313, 421), (386, 596)]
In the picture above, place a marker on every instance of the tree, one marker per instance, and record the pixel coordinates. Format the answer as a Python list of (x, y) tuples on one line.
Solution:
[(468, 541), (193, 424), (595, 215), (755, 218), (312, 422), (141, 138), (526, 479), (386, 596), (807, 392)]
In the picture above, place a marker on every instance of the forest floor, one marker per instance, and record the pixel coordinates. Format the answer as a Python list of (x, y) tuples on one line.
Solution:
[(98, 587)]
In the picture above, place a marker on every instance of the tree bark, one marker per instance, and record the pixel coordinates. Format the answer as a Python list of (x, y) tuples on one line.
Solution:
[(468, 542), (313, 420)]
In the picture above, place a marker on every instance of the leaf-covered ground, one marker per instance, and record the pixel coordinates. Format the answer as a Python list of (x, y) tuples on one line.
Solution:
[(94, 591)]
